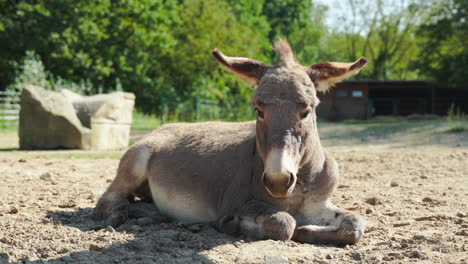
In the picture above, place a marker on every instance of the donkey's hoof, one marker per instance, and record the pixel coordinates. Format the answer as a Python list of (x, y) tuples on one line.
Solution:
[(116, 219), (352, 228), (279, 226), (101, 211)]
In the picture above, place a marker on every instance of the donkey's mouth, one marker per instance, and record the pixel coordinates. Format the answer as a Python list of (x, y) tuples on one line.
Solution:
[(279, 193)]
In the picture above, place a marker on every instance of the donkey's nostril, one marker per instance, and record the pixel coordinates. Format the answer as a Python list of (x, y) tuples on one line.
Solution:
[(291, 179), (266, 182)]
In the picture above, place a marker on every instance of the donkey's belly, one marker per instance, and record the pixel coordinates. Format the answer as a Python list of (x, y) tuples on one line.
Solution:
[(181, 205)]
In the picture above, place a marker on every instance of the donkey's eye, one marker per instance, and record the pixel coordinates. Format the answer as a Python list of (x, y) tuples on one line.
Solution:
[(259, 113), (305, 114)]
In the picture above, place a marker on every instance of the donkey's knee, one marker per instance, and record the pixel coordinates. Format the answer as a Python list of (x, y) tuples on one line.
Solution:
[(279, 226)]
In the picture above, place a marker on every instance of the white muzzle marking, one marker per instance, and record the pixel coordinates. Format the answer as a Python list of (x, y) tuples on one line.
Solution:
[(279, 164)]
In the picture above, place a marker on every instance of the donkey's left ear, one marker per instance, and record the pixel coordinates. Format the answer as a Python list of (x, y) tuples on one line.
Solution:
[(248, 69), (327, 74)]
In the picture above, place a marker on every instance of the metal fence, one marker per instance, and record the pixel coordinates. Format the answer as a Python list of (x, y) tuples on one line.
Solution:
[(9, 109), (203, 110)]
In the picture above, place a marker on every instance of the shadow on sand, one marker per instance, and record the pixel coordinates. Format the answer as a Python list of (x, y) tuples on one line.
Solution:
[(150, 243)]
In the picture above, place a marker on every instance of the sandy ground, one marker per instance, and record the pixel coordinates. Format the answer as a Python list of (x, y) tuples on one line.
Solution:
[(422, 218), (413, 196)]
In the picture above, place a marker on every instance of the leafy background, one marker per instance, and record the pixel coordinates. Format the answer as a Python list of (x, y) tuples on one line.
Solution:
[(161, 50)]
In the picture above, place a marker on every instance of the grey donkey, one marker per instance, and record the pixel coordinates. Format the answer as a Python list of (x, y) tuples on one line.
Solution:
[(265, 179)]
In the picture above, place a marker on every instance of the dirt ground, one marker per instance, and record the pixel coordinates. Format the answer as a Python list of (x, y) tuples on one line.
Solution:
[(414, 200)]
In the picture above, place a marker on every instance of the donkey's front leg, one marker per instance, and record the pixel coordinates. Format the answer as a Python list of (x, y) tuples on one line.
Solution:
[(324, 223), (259, 220)]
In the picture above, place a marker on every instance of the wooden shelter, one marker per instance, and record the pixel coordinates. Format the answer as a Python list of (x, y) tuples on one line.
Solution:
[(367, 98)]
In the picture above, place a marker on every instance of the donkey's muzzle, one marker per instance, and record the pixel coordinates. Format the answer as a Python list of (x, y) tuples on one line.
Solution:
[(279, 176), (279, 187)]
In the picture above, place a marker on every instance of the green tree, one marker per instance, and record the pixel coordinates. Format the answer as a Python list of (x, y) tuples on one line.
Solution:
[(293, 19), (382, 31), (158, 49), (107, 42), (444, 54)]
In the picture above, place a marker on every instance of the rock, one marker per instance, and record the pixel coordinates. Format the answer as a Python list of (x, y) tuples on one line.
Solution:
[(370, 210), (95, 247), (398, 224), (21, 160), (390, 213), (460, 214), (356, 256), (136, 228), (62, 250), (68, 204), (50, 120), (108, 180), (394, 184), (415, 254), (276, 260), (144, 221), (110, 229), (462, 233), (404, 245), (14, 210), (329, 256), (46, 176), (419, 237), (108, 115), (423, 176), (427, 199), (373, 201)]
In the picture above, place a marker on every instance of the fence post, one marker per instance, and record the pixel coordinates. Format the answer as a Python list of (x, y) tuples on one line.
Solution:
[(197, 108), (162, 109)]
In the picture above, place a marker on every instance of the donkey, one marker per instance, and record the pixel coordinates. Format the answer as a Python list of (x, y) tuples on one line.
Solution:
[(266, 179)]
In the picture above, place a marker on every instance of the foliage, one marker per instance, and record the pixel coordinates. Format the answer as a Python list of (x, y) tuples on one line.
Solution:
[(455, 113), (382, 31), (31, 71), (444, 54), (161, 50), (293, 19)]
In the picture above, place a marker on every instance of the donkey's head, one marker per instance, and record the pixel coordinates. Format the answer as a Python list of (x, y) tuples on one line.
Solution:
[(285, 101)]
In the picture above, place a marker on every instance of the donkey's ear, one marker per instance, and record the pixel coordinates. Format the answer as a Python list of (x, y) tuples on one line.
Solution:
[(248, 69), (327, 74)]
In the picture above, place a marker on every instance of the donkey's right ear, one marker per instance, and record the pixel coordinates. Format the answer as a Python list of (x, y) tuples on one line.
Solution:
[(248, 69)]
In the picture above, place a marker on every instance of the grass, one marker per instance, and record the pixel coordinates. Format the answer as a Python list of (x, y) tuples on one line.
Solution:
[(144, 122), (458, 128)]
